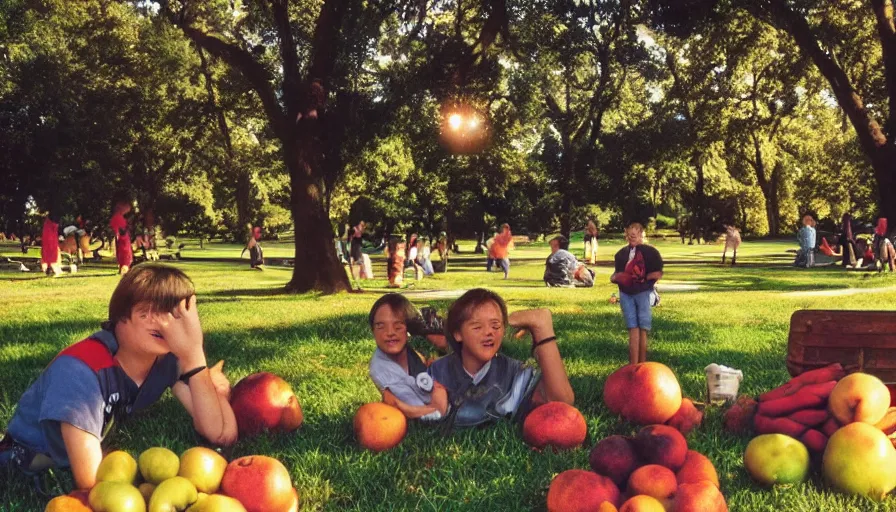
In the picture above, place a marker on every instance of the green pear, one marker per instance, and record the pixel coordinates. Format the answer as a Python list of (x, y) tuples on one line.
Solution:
[(217, 503), (158, 464), (204, 467), (116, 497), (117, 466), (172, 495), (776, 459)]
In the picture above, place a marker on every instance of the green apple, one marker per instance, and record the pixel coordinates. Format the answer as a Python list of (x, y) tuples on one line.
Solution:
[(175, 494), (776, 459), (116, 497), (158, 464), (217, 503), (204, 467), (117, 466)]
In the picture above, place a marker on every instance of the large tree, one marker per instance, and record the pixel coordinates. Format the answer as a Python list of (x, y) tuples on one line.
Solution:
[(290, 67)]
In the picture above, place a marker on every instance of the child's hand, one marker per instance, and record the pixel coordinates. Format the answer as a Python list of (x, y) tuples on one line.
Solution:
[(183, 333), (537, 321), (222, 384)]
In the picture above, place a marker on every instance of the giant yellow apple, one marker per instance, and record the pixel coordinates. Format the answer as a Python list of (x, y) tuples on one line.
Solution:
[(204, 467), (859, 397), (117, 466), (860, 459), (116, 497), (175, 494)]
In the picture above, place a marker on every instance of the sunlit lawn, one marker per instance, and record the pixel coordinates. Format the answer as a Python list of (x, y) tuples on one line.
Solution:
[(737, 316)]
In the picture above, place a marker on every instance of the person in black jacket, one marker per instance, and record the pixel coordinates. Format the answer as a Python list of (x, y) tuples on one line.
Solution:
[(638, 268)]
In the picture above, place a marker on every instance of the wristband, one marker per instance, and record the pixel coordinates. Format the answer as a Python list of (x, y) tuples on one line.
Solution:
[(185, 378), (542, 342)]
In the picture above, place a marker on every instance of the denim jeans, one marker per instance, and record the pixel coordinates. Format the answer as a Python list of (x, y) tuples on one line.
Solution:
[(636, 310)]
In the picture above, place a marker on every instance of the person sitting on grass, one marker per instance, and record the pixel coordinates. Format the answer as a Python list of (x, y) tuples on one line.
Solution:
[(883, 247), (151, 342), (561, 269), (398, 371), (638, 268), (483, 384)]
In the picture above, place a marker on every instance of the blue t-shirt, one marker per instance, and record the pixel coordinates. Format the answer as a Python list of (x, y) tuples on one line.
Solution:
[(85, 387), (501, 388)]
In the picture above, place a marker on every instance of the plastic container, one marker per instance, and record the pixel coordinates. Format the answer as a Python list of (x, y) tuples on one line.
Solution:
[(722, 383)]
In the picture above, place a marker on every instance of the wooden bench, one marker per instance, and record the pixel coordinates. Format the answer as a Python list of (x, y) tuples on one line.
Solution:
[(859, 340)]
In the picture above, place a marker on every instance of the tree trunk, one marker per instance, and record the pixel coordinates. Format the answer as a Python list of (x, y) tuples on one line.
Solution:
[(316, 266), (768, 187)]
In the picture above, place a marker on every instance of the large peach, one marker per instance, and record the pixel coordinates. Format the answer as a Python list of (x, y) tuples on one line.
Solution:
[(687, 418), (260, 483), (653, 480), (860, 459), (859, 397), (577, 490), (379, 427), (264, 401), (555, 424), (644, 393), (615, 458), (663, 445), (700, 496), (697, 467), (642, 503)]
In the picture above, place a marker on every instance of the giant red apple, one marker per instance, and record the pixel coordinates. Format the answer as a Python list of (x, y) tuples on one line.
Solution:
[(645, 393), (264, 401), (260, 483), (577, 490), (555, 424)]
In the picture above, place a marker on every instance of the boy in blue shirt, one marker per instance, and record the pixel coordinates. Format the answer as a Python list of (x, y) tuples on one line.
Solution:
[(152, 341)]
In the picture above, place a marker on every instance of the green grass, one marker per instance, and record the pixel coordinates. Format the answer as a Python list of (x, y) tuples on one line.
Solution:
[(738, 317)]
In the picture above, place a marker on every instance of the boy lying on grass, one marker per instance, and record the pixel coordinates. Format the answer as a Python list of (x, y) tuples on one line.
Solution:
[(398, 371), (483, 384), (151, 342)]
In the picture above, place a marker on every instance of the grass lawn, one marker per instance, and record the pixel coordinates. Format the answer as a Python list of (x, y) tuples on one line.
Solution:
[(736, 316)]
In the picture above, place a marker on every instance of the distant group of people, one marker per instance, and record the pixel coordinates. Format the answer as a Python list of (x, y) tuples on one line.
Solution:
[(852, 252)]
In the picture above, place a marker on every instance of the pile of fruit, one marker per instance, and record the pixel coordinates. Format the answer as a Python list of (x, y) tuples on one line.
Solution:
[(200, 480), (654, 470), (842, 420), (649, 394)]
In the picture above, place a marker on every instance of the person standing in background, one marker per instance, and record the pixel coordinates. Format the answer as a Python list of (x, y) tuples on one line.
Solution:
[(501, 249), (50, 257), (591, 234)]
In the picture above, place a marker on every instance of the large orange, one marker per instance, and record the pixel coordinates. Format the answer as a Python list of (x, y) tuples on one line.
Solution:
[(67, 504), (379, 427)]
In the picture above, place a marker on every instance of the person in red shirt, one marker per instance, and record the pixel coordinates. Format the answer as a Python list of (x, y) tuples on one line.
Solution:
[(49, 245), (119, 225), (500, 249)]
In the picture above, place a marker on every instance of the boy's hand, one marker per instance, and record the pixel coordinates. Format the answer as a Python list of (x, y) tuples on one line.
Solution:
[(222, 384), (182, 331), (537, 321)]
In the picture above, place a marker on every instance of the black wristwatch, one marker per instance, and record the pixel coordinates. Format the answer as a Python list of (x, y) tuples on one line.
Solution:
[(185, 378)]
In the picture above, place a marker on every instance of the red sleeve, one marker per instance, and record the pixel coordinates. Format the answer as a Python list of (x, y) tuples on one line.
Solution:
[(117, 222)]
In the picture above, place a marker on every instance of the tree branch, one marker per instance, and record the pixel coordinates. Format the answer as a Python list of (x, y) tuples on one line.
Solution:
[(886, 29), (288, 56)]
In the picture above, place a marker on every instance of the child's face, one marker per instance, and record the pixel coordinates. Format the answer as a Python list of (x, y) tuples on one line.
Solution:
[(142, 331), (634, 236), (482, 333), (390, 331)]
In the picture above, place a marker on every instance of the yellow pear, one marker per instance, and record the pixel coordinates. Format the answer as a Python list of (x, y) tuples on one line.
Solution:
[(204, 467), (158, 464), (116, 497), (117, 466), (175, 494)]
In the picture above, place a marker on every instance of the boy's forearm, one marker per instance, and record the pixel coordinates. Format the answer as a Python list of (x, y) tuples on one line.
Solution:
[(84, 454), (212, 415), (655, 276), (554, 381)]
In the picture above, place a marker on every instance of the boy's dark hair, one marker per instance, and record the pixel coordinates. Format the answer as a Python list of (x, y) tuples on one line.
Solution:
[(462, 310), (399, 305), (562, 242), (161, 286)]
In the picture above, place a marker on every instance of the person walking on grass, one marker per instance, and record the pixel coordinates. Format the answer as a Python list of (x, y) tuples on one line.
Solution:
[(805, 257), (354, 243), (591, 234), (119, 226), (637, 269), (256, 254), (500, 250)]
